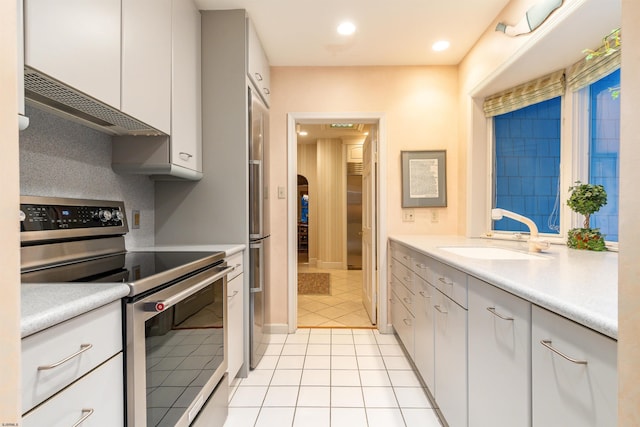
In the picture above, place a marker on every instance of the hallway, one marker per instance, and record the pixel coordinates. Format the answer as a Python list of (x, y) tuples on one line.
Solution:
[(342, 307)]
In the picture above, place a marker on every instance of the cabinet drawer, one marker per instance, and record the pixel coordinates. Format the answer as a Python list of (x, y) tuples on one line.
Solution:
[(422, 266), (402, 274), (402, 322), (100, 328), (570, 393), (401, 253), (98, 396), (404, 295), (235, 260), (451, 282)]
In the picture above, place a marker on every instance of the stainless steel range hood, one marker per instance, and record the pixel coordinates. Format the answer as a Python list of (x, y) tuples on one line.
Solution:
[(45, 92)]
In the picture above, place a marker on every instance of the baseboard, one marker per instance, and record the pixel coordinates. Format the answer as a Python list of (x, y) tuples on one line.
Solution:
[(330, 265), (276, 328)]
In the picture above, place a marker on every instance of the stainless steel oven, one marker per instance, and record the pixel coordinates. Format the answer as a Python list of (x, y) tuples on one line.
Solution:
[(174, 316), (175, 340)]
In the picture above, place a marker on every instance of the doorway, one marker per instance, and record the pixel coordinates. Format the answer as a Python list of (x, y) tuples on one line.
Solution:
[(336, 257)]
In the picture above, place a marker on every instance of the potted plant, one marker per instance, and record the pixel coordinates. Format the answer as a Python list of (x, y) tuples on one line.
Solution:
[(586, 199)]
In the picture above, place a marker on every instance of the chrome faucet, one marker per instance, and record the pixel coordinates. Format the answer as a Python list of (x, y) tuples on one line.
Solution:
[(536, 244)]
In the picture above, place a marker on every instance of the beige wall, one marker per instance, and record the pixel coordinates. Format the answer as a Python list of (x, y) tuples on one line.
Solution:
[(629, 269), (9, 204), (420, 107)]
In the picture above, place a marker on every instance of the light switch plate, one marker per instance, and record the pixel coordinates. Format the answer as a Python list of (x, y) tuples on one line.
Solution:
[(282, 193), (408, 215), (135, 219)]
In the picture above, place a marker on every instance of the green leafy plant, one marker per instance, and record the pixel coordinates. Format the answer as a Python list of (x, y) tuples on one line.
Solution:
[(586, 199)]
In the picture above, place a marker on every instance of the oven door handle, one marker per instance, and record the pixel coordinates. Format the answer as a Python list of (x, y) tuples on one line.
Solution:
[(161, 305)]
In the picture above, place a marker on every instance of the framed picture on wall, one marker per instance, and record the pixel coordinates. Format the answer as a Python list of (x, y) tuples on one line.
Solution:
[(424, 179)]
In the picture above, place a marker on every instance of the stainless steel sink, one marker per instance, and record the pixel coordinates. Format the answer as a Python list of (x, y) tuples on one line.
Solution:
[(489, 253)]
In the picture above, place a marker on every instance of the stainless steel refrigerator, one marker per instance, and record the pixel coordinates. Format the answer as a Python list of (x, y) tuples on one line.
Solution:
[(258, 225)]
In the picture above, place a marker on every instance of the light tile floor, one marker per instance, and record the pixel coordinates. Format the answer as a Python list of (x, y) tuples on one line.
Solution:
[(342, 308), (325, 377)]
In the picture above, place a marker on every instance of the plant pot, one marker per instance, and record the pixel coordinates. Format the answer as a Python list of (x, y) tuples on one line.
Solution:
[(586, 238)]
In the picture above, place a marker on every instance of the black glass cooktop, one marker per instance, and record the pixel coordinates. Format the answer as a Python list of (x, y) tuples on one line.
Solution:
[(127, 267)]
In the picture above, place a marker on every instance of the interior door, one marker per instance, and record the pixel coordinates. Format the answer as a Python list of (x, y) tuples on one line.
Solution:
[(369, 285)]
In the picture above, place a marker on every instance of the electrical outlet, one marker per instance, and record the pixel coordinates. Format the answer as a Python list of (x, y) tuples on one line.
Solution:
[(135, 219), (408, 215), (434, 215)]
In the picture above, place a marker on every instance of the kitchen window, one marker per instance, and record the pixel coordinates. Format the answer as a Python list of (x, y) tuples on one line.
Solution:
[(527, 166)]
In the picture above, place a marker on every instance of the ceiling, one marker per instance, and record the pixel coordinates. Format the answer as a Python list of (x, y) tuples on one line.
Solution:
[(389, 32), (324, 130)]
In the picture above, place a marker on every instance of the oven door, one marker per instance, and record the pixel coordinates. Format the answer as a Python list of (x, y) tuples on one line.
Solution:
[(175, 349)]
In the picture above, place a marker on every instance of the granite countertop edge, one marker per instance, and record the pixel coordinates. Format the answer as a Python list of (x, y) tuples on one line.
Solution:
[(45, 305), (589, 301)]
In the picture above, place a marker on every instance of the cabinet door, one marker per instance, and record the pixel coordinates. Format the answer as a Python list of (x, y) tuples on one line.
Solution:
[(78, 43), (98, 397), (186, 110), (146, 61), (235, 322), (499, 357), (578, 392), (424, 341), (451, 359), (257, 63)]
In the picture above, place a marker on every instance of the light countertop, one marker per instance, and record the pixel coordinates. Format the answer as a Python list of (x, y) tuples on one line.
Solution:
[(579, 285), (46, 304)]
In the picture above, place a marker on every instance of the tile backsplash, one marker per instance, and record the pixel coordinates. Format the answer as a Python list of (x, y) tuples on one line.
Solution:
[(62, 158)]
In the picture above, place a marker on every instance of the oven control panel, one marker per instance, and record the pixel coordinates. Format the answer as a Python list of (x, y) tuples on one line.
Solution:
[(46, 214)]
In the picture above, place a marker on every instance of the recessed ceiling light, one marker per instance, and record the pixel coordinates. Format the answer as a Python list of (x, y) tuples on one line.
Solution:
[(303, 133), (346, 28), (440, 45)]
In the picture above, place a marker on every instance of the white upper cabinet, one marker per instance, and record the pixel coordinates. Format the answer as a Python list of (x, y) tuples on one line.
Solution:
[(186, 111), (258, 63), (78, 43), (146, 61)]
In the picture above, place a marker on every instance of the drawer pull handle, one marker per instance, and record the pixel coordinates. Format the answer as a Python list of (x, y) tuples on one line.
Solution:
[(88, 413), (547, 343), (407, 279), (493, 311), (443, 280), (407, 300), (407, 322), (266, 91), (258, 77), (422, 266), (423, 295), (233, 295), (437, 307), (83, 348), (406, 257), (185, 156)]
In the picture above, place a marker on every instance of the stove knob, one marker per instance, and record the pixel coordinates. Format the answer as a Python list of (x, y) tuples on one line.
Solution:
[(104, 215), (117, 215)]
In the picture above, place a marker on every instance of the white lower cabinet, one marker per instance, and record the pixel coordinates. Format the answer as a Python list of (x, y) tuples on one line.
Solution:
[(450, 359), (402, 321), (574, 373), (235, 316), (95, 400), (499, 357)]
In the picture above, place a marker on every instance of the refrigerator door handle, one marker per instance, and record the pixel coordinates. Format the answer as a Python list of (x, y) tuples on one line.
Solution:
[(260, 248), (256, 188)]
